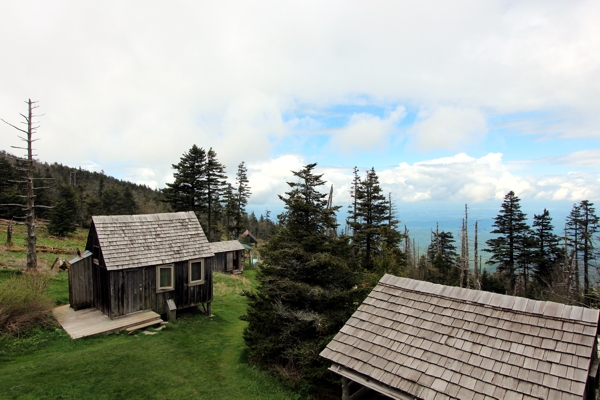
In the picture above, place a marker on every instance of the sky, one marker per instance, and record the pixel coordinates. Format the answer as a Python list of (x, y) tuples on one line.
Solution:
[(451, 102)]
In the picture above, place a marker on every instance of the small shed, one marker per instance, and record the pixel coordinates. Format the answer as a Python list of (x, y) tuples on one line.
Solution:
[(228, 256), (249, 237), (418, 340), (156, 262)]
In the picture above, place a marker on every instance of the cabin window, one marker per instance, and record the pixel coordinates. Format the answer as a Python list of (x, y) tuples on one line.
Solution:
[(164, 278), (196, 271)]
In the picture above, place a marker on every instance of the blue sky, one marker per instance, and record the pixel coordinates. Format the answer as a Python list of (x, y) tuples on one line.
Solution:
[(451, 102)]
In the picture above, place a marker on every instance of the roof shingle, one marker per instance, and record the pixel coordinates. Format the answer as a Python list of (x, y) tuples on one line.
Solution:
[(411, 336), (130, 241)]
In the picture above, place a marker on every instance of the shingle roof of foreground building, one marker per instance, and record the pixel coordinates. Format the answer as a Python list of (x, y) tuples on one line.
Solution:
[(414, 339)]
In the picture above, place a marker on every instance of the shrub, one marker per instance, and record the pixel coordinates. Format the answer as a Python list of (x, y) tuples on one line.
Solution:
[(25, 303)]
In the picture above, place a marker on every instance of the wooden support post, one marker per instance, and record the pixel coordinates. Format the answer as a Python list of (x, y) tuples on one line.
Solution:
[(345, 389)]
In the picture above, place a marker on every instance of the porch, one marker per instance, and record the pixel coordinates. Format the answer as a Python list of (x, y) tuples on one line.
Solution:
[(91, 321)]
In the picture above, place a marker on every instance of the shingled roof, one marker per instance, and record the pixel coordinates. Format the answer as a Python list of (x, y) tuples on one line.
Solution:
[(414, 339), (230, 245), (129, 241)]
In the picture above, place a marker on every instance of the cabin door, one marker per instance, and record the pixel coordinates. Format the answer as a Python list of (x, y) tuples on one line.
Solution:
[(133, 295)]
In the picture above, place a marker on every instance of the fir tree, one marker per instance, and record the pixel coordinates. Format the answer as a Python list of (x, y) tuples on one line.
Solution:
[(63, 217), (443, 257), (9, 190), (588, 224), (512, 233), (187, 192), (547, 251), (573, 233), (214, 183), (229, 210), (308, 287), (242, 195), (372, 212)]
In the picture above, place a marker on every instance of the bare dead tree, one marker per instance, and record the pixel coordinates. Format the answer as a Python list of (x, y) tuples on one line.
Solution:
[(467, 266), (30, 206), (9, 229), (461, 262), (476, 259)]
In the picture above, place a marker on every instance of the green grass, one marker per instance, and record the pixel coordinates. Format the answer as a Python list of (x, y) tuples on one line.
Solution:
[(18, 259), (197, 357)]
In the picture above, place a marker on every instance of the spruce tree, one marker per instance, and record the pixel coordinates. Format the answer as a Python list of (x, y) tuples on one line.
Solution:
[(588, 224), (214, 182), (308, 287), (9, 190), (372, 212), (242, 195), (229, 210), (512, 234), (187, 192), (443, 257), (547, 252), (63, 217), (573, 233)]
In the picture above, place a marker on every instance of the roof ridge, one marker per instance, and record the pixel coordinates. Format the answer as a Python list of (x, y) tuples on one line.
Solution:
[(521, 305), (143, 217)]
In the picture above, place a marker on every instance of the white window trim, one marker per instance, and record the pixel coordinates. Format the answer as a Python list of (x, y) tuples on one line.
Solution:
[(165, 288), (200, 281)]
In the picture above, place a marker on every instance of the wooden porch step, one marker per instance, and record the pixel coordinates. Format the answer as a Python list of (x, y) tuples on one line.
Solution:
[(144, 325), (89, 322)]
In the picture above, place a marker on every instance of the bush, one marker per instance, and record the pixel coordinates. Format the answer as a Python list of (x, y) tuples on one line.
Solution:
[(25, 303)]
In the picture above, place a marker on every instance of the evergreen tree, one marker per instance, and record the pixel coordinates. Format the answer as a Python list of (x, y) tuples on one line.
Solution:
[(547, 253), (588, 224), (127, 204), (242, 195), (372, 212), (229, 210), (63, 217), (308, 287), (492, 282), (214, 183), (512, 234), (353, 208), (390, 258), (443, 257), (573, 232), (187, 192), (9, 190)]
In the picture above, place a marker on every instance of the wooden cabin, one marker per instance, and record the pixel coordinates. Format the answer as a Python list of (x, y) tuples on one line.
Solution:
[(228, 256), (158, 262), (418, 340)]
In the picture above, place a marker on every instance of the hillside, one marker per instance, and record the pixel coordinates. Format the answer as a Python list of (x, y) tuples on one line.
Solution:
[(94, 193)]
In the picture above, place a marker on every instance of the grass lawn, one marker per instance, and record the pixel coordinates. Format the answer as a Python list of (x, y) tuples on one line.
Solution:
[(196, 357)]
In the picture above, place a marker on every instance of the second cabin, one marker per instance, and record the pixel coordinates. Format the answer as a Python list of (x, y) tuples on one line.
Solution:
[(228, 256), (158, 262)]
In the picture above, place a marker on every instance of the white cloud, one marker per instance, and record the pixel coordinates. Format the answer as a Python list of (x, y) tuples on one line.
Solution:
[(365, 131), (133, 85), (448, 128), (583, 158), (472, 180), (267, 179)]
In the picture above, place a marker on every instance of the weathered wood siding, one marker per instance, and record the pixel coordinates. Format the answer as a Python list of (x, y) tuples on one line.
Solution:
[(134, 289), (81, 291), (101, 283), (226, 260)]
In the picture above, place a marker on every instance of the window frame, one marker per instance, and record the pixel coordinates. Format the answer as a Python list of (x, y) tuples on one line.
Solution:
[(202, 262), (165, 288)]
